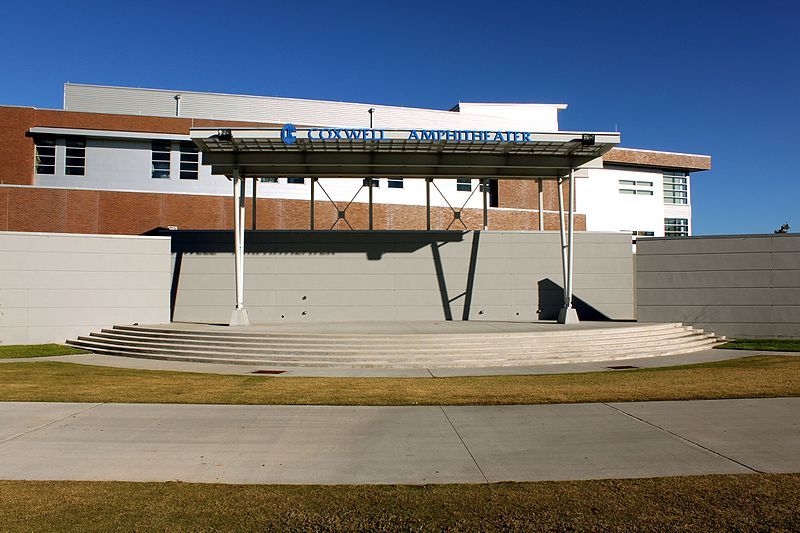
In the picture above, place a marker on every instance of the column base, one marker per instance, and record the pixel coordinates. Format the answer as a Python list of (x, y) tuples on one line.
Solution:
[(239, 318), (568, 315)]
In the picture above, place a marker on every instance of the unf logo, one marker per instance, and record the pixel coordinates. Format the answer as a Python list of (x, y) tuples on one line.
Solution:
[(287, 134)]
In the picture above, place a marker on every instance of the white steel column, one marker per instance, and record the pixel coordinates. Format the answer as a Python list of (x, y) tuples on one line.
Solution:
[(484, 186), (239, 315), (370, 200), (563, 237), (255, 204), (428, 203), (541, 205), (568, 315)]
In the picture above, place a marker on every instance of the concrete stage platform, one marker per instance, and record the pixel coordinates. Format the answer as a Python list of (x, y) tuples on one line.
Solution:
[(398, 344)]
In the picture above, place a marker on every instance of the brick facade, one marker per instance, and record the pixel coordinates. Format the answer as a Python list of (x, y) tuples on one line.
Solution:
[(79, 211), (129, 213), (648, 158)]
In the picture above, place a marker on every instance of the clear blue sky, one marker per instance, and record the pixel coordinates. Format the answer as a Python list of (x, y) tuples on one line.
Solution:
[(711, 77)]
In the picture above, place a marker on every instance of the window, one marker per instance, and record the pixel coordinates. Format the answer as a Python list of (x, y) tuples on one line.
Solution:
[(636, 187), (676, 227), (298, 181), (641, 233), (676, 188), (159, 161), (375, 182), (268, 180), (464, 184), (45, 155), (394, 183), (190, 161), (75, 162)]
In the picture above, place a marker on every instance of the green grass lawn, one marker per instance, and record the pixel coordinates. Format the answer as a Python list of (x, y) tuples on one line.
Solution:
[(36, 350), (750, 377), (748, 502), (777, 345)]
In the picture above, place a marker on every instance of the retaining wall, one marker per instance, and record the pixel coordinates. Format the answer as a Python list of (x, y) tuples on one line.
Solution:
[(58, 286), (738, 286)]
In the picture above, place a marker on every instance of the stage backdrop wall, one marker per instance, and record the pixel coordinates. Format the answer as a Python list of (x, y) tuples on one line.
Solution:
[(738, 286), (391, 275), (57, 286)]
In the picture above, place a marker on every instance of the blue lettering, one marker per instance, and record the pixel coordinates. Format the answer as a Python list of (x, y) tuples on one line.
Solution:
[(526, 137), (413, 136)]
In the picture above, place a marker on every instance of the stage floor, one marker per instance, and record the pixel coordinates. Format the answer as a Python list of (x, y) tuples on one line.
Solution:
[(403, 327)]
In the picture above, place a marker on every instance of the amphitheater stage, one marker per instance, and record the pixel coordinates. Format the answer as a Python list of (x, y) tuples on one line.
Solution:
[(398, 344)]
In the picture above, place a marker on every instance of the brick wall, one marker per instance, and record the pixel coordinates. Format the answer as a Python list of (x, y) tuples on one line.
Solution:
[(128, 213), (16, 148), (524, 194)]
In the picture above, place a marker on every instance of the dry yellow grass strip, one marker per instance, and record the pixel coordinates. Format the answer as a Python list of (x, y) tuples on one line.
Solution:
[(752, 377), (750, 502)]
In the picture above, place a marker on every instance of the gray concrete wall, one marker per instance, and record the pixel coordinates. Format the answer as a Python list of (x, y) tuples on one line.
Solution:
[(388, 275), (57, 286), (738, 286)]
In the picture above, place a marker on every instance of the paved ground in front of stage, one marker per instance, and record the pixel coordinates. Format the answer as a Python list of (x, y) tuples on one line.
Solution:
[(704, 356), (416, 445)]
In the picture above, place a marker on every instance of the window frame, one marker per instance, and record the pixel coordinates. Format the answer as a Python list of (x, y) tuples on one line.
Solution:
[(75, 156), (189, 157), (47, 143), (394, 183), (676, 227), (464, 184), (160, 161)]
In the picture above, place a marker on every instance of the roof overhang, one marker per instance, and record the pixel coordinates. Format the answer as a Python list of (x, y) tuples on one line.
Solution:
[(333, 152), (106, 134), (658, 159)]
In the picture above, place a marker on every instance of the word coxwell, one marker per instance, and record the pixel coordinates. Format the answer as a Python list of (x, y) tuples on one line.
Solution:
[(289, 134)]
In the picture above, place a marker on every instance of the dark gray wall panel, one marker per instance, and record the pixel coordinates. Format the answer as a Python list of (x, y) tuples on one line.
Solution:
[(740, 286)]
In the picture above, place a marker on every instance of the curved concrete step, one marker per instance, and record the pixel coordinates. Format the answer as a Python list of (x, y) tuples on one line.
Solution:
[(363, 350), (425, 360), (235, 332), (406, 350), (628, 334), (374, 364)]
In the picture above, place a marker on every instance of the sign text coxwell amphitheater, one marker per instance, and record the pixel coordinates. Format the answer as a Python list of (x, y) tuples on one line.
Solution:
[(289, 134)]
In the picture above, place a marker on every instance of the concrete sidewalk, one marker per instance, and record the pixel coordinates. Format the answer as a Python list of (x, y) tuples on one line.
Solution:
[(344, 445)]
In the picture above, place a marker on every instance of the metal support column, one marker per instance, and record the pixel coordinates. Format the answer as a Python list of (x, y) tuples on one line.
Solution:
[(370, 199), (563, 236), (541, 204), (255, 204), (428, 203), (568, 315), (311, 205), (239, 315), (485, 186)]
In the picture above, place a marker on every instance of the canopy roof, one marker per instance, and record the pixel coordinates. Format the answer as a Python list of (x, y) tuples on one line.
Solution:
[(328, 152)]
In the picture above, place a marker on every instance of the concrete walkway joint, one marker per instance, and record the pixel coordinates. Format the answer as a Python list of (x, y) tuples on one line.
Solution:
[(406, 445)]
